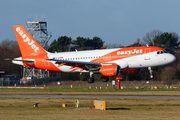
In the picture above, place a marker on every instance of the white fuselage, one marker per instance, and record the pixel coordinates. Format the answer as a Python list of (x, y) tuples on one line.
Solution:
[(151, 59)]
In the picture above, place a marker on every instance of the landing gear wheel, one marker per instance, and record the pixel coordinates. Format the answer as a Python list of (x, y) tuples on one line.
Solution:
[(104, 79), (90, 80)]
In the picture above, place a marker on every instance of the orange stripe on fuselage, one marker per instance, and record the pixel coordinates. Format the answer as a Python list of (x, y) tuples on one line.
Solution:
[(126, 53), (40, 63), (75, 69), (59, 65)]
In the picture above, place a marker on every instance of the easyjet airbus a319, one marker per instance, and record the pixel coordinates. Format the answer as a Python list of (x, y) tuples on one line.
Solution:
[(107, 62)]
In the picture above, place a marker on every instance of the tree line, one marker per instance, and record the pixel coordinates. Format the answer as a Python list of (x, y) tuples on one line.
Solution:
[(64, 44), (168, 41)]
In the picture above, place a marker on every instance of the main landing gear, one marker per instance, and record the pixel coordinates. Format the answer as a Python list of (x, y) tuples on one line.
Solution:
[(91, 79)]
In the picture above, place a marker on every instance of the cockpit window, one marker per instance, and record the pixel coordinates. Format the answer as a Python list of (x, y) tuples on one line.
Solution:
[(161, 52)]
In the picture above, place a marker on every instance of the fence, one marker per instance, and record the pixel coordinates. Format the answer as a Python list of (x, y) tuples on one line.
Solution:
[(123, 83), (54, 81)]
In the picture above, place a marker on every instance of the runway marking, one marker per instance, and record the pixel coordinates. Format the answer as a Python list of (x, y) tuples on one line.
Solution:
[(93, 96)]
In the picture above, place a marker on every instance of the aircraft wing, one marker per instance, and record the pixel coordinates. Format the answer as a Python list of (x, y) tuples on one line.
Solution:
[(75, 62), (81, 64)]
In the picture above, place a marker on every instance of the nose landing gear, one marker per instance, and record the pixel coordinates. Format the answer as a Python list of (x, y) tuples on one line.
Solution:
[(150, 72)]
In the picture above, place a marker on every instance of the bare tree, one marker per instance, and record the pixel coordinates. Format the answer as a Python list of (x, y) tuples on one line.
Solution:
[(113, 46), (149, 38), (9, 49)]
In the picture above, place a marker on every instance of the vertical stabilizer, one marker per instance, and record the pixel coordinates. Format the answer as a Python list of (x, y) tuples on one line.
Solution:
[(28, 45)]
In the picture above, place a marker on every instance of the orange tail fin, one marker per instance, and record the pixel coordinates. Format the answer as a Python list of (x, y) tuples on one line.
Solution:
[(28, 45)]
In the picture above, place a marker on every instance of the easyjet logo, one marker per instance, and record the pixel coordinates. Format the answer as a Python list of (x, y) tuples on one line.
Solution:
[(27, 40), (130, 52)]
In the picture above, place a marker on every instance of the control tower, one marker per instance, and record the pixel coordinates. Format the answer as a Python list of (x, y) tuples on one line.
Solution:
[(37, 27)]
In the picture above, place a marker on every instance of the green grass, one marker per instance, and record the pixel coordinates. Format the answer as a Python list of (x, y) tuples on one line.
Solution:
[(51, 108)]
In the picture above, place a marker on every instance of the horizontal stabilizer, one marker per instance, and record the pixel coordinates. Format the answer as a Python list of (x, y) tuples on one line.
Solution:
[(21, 60), (16, 61)]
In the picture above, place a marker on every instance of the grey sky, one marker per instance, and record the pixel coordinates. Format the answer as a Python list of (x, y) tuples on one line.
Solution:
[(114, 21)]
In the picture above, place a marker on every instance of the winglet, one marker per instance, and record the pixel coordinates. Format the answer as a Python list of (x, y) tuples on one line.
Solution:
[(28, 45)]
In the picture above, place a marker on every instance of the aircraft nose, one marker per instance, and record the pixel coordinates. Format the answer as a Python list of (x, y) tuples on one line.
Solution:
[(171, 58)]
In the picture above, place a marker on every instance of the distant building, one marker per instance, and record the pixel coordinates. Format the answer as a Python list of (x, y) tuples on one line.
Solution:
[(9, 79)]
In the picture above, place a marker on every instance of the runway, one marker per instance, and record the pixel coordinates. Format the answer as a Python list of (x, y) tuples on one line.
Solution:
[(93, 96)]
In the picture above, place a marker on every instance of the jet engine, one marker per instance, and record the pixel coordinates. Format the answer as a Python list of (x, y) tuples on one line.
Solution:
[(110, 70)]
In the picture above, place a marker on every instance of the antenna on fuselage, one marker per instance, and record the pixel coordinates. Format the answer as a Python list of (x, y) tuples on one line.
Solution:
[(147, 45)]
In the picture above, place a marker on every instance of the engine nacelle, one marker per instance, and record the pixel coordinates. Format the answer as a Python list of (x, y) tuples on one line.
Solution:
[(110, 70), (131, 71)]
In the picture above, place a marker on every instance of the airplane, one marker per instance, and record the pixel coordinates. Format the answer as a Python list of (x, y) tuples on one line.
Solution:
[(107, 62)]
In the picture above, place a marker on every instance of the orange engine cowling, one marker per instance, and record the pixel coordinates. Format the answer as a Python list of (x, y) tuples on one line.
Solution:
[(110, 70), (131, 71)]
